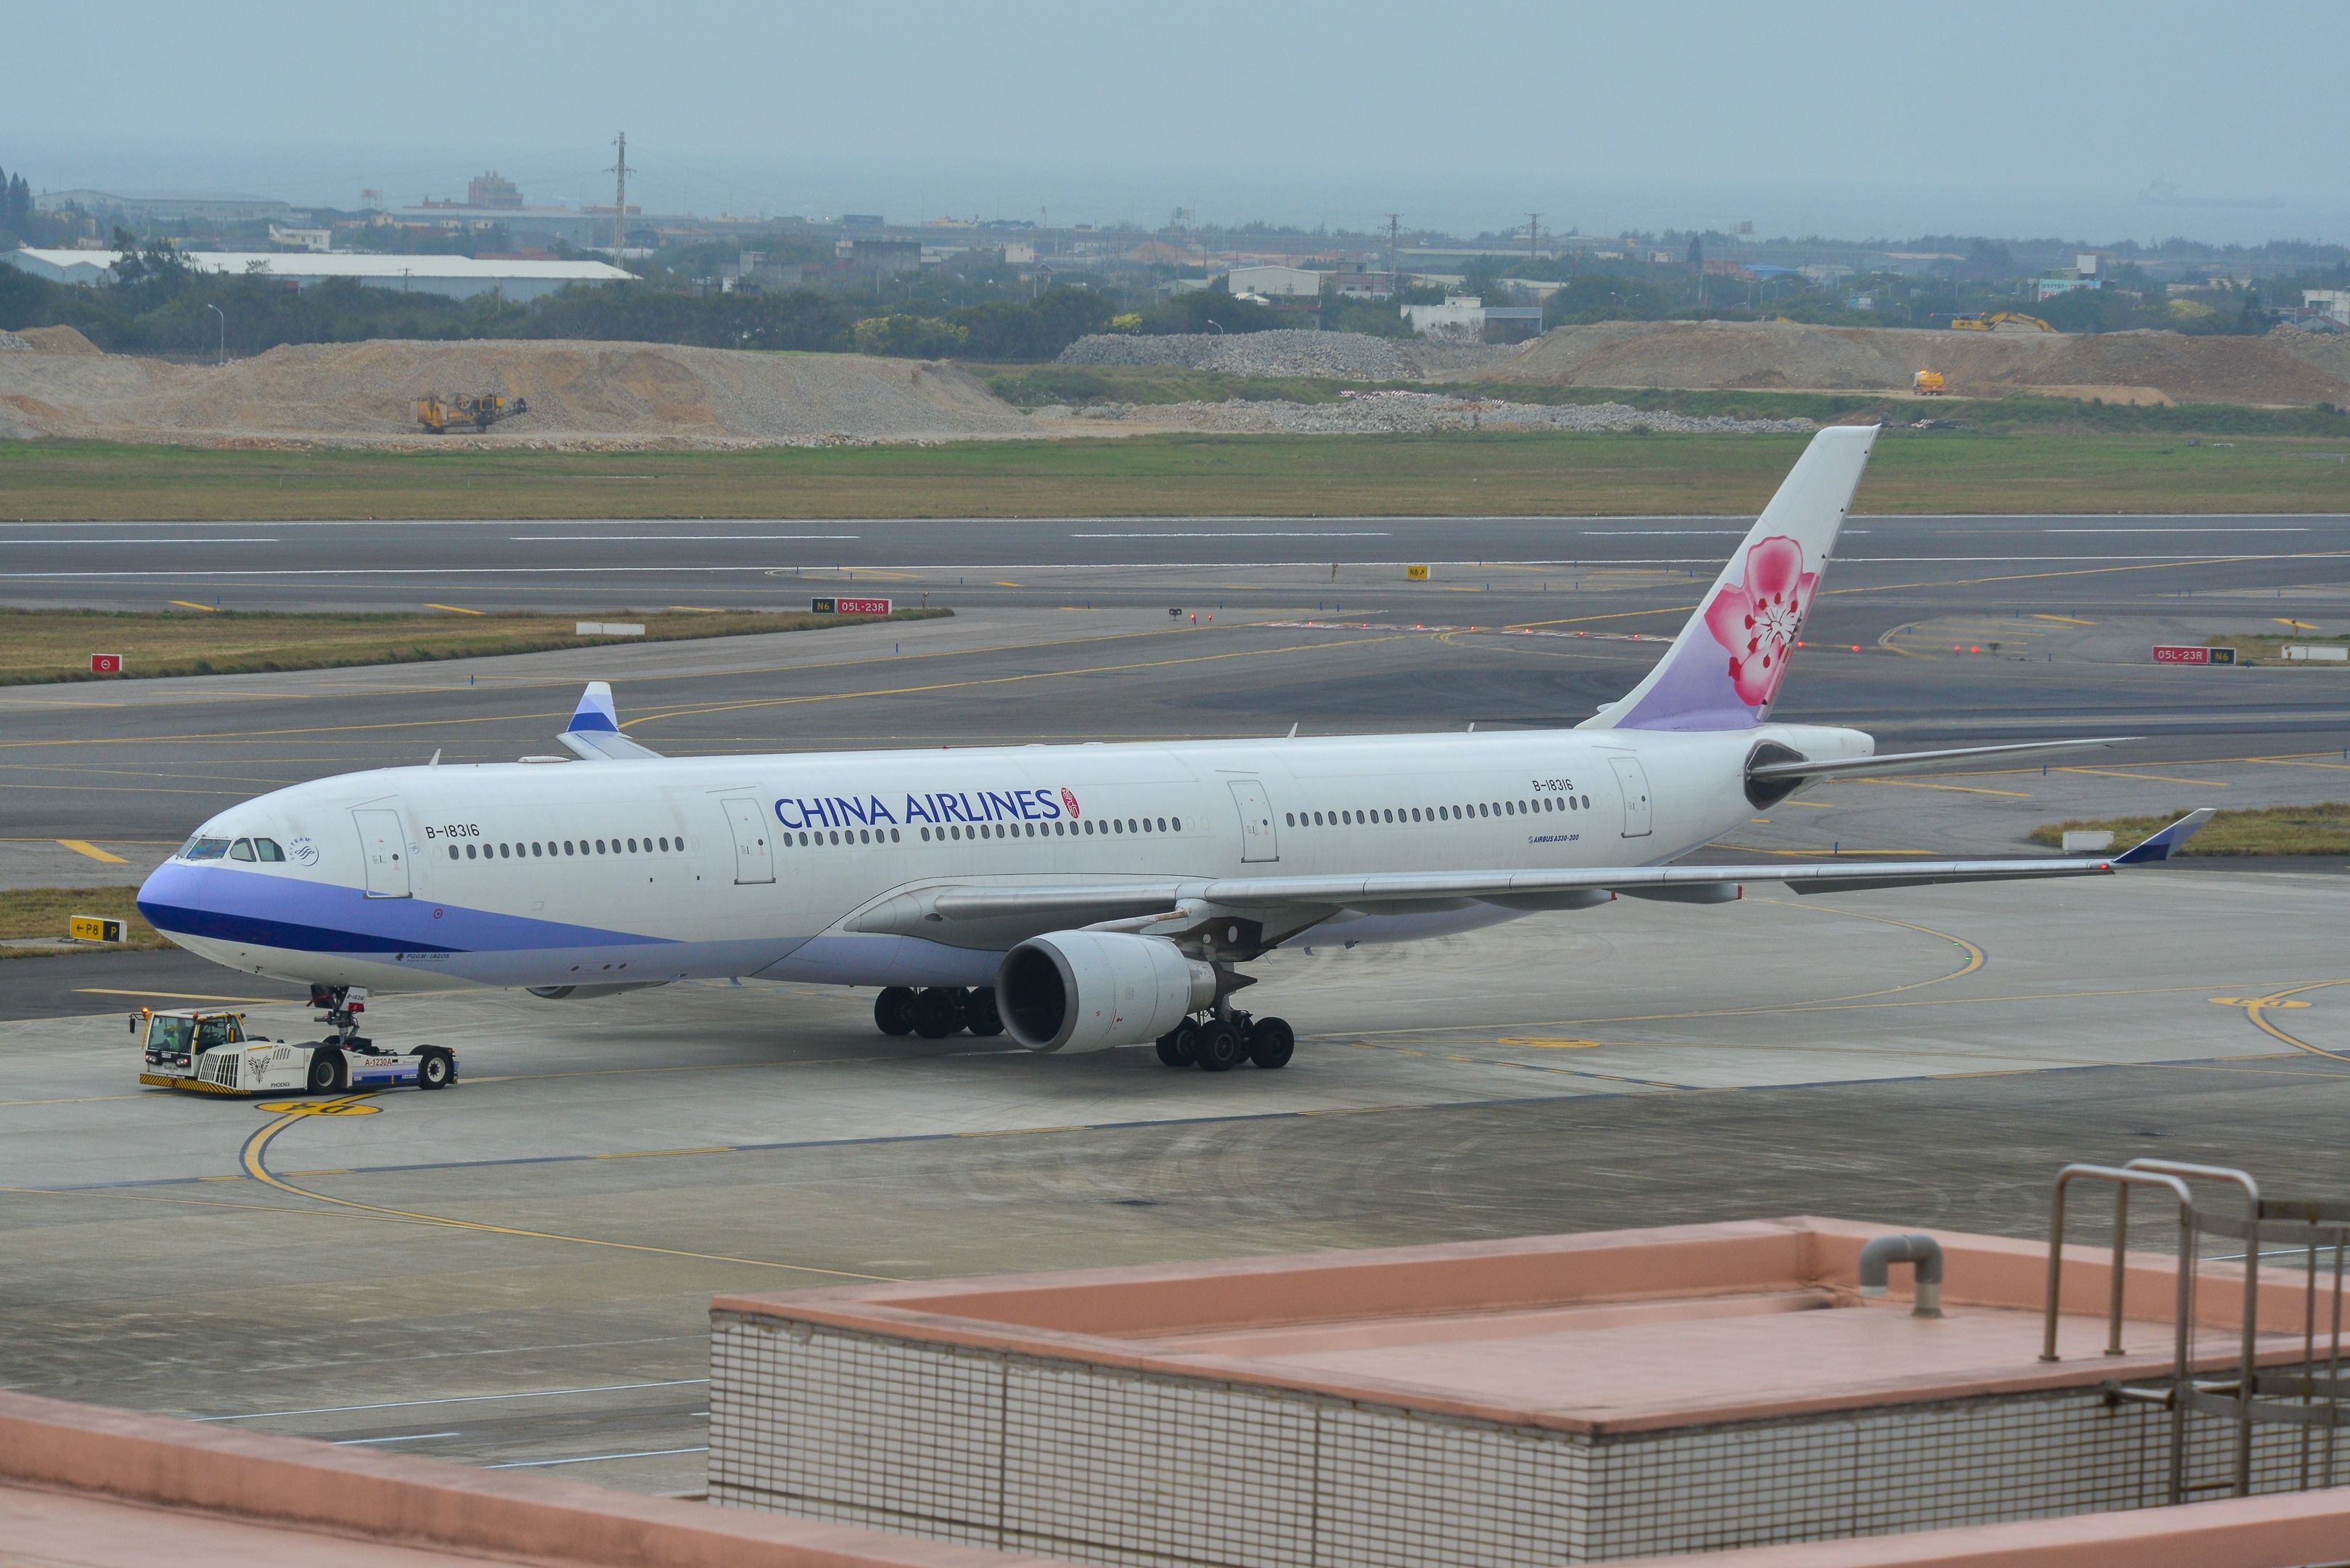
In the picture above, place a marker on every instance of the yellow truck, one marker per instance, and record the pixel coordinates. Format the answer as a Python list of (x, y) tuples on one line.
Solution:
[(441, 415), (1927, 383)]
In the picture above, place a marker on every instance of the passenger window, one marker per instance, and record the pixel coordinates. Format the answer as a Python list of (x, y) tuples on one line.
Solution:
[(241, 850), (1178, 822), (469, 852), (452, 852)]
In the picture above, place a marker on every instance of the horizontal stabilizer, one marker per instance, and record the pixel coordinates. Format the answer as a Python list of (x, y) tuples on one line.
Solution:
[(594, 732), (1914, 761)]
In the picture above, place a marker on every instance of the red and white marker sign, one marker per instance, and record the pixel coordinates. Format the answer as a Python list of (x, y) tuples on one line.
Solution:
[(861, 606), (106, 664), (2180, 653)]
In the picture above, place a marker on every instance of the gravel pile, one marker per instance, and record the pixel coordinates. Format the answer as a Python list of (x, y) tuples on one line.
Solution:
[(1355, 356), (578, 392), (12, 344), (1425, 413)]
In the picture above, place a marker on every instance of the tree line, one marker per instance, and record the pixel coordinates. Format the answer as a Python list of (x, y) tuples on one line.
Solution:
[(157, 304)]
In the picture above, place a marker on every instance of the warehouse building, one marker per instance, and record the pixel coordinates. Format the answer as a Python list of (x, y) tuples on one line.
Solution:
[(142, 208), (458, 277)]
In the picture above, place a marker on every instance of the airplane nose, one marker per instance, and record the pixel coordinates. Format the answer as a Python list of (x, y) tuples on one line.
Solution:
[(167, 897)]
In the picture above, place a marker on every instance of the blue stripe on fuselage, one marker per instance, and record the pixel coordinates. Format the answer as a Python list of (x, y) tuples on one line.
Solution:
[(269, 909)]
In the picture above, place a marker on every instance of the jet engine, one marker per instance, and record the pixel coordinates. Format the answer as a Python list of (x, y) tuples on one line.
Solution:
[(1089, 991)]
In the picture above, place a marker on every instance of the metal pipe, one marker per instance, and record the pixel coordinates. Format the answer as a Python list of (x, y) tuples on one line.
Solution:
[(2119, 1178), (2247, 1381), (1923, 1251)]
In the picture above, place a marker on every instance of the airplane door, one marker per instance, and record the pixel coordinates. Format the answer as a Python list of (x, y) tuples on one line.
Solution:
[(755, 857), (1633, 780), (1258, 841), (383, 849)]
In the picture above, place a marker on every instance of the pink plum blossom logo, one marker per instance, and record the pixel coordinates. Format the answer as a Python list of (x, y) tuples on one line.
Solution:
[(1758, 621)]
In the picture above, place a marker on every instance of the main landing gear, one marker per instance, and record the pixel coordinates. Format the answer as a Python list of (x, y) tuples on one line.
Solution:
[(936, 1011), (1218, 1044)]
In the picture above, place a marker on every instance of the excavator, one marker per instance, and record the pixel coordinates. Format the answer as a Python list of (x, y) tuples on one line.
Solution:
[(1997, 319), (441, 415)]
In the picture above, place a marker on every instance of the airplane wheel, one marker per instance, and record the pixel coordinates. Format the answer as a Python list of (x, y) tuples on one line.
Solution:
[(1271, 1043), (984, 1018), (1218, 1047), (435, 1068), (1175, 1045), (893, 1009), (937, 1012)]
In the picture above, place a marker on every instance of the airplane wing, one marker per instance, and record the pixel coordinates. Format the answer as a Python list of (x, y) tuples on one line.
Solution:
[(1914, 761), (1294, 898), (594, 732)]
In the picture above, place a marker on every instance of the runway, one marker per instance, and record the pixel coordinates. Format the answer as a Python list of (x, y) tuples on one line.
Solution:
[(515, 1272), (1483, 568)]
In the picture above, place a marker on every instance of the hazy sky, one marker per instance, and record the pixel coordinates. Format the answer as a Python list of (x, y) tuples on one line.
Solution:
[(1890, 119)]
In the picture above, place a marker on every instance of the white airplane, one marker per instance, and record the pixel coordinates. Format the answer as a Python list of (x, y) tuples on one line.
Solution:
[(1081, 897)]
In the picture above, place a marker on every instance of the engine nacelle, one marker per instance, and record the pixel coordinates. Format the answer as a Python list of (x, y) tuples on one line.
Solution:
[(1089, 991)]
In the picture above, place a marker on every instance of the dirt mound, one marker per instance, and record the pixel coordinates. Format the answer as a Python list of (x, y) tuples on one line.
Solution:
[(578, 392), (57, 340), (1782, 355)]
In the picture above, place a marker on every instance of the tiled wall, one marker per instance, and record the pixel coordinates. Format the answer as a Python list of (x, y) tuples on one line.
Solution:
[(1100, 1465)]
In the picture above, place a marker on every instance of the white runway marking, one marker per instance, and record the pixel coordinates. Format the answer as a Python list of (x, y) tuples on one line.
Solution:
[(661, 538), (457, 1399), (151, 539), (596, 1459), (2229, 558), (1234, 533)]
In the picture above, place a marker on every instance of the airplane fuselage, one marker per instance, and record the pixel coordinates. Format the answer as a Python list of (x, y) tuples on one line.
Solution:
[(594, 875)]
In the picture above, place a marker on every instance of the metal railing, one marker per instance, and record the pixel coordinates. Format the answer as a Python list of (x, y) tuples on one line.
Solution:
[(2250, 1398)]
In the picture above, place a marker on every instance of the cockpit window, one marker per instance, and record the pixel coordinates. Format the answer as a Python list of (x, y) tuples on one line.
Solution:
[(241, 850), (204, 848), (267, 849)]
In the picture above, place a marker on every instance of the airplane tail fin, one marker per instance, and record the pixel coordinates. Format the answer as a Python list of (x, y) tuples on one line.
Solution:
[(1724, 672)]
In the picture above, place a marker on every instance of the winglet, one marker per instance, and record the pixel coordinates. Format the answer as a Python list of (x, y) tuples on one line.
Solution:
[(2169, 842), (596, 710), (594, 732)]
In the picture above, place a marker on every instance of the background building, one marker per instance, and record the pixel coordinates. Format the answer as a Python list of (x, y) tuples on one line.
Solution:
[(458, 277), (140, 209), (1276, 282)]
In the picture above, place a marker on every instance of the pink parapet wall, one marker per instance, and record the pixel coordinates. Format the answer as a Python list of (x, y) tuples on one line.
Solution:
[(322, 1506), (1724, 1328), (2293, 1531)]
